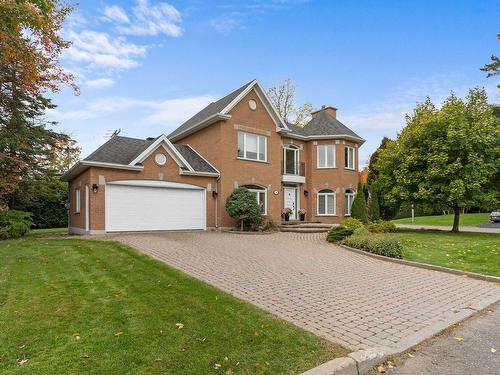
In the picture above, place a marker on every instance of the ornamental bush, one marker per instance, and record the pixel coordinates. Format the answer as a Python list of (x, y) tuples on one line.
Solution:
[(14, 224), (351, 223), (337, 234), (358, 210), (382, 244), (242, 205), (381, 227), (375, 207)]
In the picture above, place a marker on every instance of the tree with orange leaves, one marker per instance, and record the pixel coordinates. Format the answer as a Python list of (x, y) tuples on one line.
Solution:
[(30, 47)]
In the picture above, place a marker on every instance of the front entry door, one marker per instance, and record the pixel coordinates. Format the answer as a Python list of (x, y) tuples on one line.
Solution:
[(290, 194)]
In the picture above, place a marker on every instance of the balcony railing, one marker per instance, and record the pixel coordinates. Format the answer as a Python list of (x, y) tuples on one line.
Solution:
[(294, 169)]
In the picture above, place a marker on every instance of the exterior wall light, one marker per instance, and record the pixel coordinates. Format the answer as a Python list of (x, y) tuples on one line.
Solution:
[(95, 188), (306, 193)]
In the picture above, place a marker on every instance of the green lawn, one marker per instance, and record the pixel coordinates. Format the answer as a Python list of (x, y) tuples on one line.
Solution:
[(48, 231), (466, 220), (474, 252), (74, 306)]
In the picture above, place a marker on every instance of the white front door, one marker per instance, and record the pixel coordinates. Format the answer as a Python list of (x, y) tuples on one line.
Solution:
[(290, 194)]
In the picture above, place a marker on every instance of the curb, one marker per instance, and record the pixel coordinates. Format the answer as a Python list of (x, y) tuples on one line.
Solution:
[(431, 267)]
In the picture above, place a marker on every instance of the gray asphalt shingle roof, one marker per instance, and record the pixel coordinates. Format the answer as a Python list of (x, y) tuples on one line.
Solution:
[(122, 150), (323, 123), (119, 150), (196, 161), (210, 110)]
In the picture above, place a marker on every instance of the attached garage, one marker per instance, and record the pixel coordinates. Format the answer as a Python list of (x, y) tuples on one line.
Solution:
[(142, 205)]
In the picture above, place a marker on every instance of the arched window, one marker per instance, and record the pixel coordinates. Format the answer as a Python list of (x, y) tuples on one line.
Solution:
[(349, 198), (260, 196), (326, 203)]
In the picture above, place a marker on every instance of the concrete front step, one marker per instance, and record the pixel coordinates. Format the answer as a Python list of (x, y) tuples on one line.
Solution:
[(304, 230), (297, 222)]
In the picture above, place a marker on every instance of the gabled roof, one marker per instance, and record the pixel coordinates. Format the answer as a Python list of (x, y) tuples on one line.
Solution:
[(323, 124), (219, 110), (128, 153)]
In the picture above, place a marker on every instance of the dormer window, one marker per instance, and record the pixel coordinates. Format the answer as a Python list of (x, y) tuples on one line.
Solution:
[(252, 146)]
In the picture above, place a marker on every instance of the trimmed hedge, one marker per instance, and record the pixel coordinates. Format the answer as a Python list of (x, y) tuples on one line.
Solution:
[(381, 244), (381, 227), (351, 223), (14, 224), (337, 234)]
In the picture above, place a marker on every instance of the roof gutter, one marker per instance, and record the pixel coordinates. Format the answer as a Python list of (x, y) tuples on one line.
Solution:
[(315, 137), (200, 125), (200, 174), (83, 165)]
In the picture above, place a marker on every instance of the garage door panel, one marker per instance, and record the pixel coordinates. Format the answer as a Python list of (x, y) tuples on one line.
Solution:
[(139, 208)]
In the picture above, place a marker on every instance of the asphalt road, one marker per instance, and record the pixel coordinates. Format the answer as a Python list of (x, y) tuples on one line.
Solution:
[(466, 349)]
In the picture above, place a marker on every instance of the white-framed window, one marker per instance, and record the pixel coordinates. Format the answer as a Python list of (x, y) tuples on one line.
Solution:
[(291, 160), (77, 201), (326, 203), (326, 156), (252, 146), (260, 196), (349, 198), (349, 157)]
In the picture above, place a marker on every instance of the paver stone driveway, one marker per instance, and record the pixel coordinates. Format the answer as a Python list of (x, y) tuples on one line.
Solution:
[(349, 298)]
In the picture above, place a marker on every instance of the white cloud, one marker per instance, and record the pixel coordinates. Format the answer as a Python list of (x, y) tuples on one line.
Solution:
[(115, 13), (99, 50), (99, 83), (152, 20), (157, 112), (226, 23)]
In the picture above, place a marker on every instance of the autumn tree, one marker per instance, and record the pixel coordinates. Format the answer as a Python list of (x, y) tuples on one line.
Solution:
[(444, 157), (283, 98), (30, 46)]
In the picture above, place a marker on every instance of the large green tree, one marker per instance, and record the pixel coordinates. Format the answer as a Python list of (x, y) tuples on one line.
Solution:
[(444, 157), (30, 46)]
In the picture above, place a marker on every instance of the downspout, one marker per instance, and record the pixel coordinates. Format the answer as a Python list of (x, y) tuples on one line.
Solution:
[(217, 202)]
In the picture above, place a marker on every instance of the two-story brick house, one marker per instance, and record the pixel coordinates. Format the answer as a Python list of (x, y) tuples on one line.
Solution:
[(182, 181)]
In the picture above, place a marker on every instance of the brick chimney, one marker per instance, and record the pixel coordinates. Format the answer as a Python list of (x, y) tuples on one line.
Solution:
[(331, 110)]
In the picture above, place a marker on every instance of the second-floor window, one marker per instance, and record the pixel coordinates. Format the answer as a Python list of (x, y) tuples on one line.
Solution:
[(349, 157), (326, 156), (252, 146)]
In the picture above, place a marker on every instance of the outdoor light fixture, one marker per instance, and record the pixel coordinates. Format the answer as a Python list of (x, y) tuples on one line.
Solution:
[(214, 194), (95, 188), (306, 193)]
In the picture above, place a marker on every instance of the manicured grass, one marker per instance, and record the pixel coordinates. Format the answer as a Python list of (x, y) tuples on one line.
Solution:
[(48, 231), (474, 252), (466, 220), (62, 300)]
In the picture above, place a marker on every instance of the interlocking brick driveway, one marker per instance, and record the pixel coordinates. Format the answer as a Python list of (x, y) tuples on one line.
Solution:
[(349, 298)]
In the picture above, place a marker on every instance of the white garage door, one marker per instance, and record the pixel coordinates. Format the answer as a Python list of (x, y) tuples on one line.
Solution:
[(153, 205)]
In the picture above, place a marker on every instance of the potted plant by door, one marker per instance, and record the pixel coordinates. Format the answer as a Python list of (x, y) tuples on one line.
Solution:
[(302, 214), (286, 213)]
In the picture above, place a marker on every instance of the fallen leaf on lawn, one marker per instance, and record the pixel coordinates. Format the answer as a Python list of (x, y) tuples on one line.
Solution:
[(229, 372), (226, 359), (158, 359), (459, 338), (257, 333), (237, 363), (118, 334), (493, 350), (265, 326), (217, 366), (22, 361), (411, 355), (76, 334), (85, 356), (201, 339), (179, 325), (22, 346)]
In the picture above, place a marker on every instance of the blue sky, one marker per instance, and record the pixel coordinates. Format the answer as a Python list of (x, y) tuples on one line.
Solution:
[(146, 66)]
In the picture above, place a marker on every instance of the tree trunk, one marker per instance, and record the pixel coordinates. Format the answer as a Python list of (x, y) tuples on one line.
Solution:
[(456, 219), (241, 225)]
